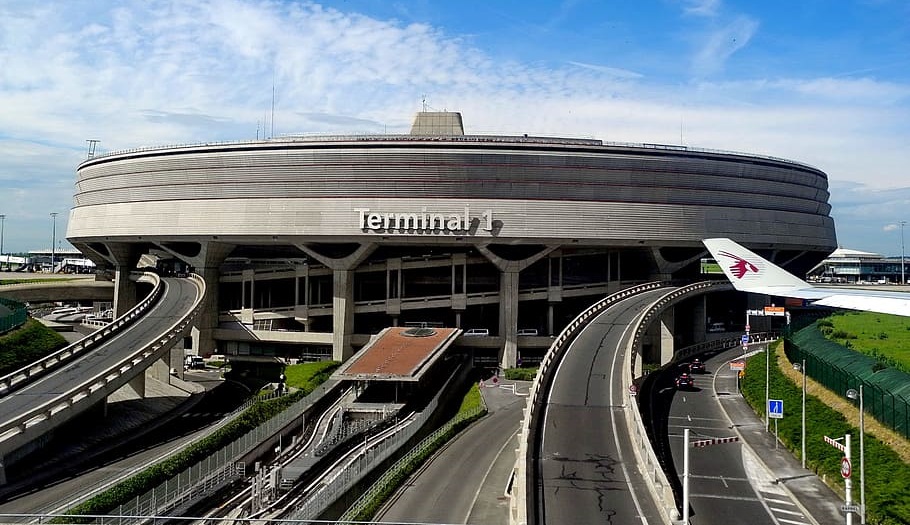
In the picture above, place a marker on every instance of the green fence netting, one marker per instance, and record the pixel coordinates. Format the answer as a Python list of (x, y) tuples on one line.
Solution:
[(13, 314), (886, 391)]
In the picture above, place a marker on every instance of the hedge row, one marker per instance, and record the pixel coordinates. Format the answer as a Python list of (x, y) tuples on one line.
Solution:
[(520, 374), (887, 476), (26, 345), (155, 475)]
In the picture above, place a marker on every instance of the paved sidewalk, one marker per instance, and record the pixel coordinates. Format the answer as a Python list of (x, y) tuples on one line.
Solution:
[(784, 470)]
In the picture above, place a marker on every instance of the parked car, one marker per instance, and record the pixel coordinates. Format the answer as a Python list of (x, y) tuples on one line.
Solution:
[(696, 366), (684, 381), (527, 331)]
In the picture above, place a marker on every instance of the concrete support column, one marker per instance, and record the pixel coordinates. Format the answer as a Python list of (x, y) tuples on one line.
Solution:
[(342, 314), (508, 299), (667, 326), (137, 385), (302, 294), (125, 294), (208, 266), (508, 318), (700, 319), (124, 258), (551, 317), (342, 295)]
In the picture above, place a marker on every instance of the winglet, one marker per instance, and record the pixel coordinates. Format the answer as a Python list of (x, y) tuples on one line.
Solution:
[(748, 271)]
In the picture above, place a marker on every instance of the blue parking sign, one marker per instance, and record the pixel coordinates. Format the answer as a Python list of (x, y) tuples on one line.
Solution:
[(745, 339), (776, 408)]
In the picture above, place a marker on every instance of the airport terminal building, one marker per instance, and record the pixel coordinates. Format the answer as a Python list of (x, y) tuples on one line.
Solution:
[(311, 245)]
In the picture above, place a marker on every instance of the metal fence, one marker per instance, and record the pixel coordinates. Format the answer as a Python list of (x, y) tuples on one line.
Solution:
[(209, 474), (354, 471), (16, 317), (890, 409)]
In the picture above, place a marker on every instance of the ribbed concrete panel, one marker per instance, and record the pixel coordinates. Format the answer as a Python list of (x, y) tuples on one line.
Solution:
[(538, 190)]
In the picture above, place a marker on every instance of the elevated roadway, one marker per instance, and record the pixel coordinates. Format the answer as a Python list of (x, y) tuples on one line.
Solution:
[(45, 401), (587, 469)]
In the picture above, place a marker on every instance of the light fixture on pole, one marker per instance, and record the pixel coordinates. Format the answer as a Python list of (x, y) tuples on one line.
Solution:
[(801, 367), (2, 220), (858, 394), (903, 279), (53, 240)]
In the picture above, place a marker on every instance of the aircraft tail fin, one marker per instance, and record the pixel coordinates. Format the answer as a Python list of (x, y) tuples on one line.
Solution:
[(748, 271)]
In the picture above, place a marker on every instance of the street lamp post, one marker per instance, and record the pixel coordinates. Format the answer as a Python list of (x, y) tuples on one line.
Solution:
[(854, 394), (801, 367), (903, 279), (53, 240), (2, 220)]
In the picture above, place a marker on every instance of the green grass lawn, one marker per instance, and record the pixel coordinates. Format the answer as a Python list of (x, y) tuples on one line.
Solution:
[(873, 334), (307, 376)]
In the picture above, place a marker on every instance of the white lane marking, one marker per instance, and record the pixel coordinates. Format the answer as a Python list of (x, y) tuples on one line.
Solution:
[(625, 469), (787, 511), (725, 482), (487, 474)]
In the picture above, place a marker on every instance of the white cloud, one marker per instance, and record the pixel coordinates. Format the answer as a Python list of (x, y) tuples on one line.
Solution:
[(720, 44), (163, 72), (706, 8)]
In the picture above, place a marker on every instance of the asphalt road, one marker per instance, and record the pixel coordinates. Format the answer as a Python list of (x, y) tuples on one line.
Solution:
[(466, 481), (177, 299), (65, 478), (728, 483), (587, 464)]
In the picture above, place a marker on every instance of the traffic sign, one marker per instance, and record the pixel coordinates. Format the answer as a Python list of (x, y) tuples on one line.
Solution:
[(737, 365), (776, 408), (747, 328), (850, 508), (744, 339), (845, 468)]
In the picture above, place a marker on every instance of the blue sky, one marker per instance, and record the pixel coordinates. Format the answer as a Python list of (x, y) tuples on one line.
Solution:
[(826, 83)]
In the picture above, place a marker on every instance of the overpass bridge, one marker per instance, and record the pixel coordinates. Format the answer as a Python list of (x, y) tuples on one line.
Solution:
[(40, 397)]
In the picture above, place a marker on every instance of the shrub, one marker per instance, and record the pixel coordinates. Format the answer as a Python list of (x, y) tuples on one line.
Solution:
[(28, 344), (520, 374)]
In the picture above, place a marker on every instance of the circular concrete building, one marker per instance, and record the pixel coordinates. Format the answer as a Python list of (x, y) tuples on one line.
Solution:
[(310, 245)]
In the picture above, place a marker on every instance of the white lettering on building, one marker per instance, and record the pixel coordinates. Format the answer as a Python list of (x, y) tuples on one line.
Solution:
[(423, 221)]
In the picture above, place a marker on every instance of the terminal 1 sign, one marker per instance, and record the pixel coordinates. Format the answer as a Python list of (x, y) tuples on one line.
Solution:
[(423, 221)]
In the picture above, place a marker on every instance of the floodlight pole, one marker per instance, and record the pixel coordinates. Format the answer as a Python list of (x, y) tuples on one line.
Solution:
[(802, 368), (853, 394), (53, 240), (2, 220), (903, 279)]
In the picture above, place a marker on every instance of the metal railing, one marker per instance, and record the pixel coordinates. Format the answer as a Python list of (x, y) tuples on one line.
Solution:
[(38, 368), (207, 475), (518, 505), (16, 317), (91, 389)]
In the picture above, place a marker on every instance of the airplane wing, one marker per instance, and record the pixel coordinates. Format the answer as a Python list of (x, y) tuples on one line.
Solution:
[(749, 272)]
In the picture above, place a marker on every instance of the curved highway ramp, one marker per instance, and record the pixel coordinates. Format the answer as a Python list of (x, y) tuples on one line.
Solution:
[(45, 395)]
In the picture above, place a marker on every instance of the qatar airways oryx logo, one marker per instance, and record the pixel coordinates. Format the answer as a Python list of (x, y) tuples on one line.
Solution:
[(740, 266)]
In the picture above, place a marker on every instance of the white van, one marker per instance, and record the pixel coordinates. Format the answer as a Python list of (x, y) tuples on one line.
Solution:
[(473, 332)]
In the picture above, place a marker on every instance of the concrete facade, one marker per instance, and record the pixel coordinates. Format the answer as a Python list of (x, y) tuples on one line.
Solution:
[(331, 238)]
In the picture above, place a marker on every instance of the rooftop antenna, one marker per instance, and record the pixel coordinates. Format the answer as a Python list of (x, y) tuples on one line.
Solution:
[(272, 129), (92, 143)]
